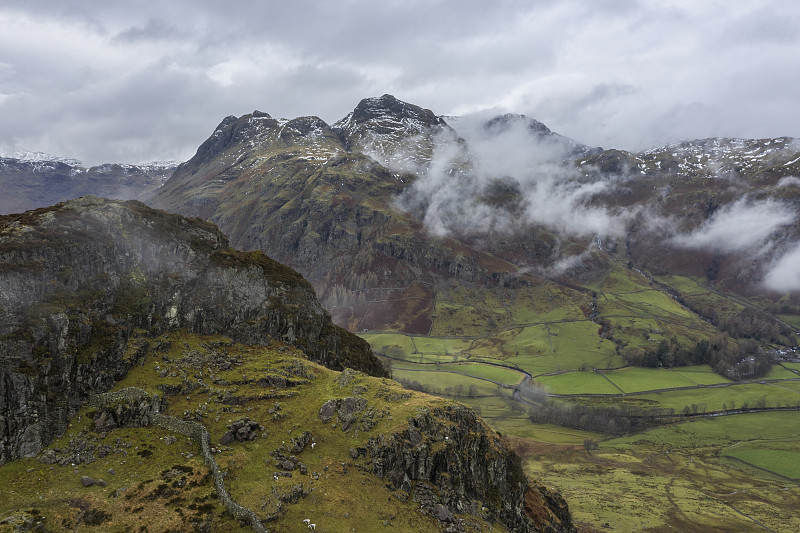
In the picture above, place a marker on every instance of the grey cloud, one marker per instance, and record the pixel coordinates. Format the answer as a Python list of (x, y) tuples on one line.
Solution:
[(616, 73), (155, 29)]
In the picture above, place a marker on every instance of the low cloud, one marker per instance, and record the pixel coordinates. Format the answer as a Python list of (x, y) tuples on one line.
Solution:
[(740, 226), (519, 160), (784, 274), (788, 181)]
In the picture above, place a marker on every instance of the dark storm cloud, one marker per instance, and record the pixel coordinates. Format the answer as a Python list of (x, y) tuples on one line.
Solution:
[(105, 81)]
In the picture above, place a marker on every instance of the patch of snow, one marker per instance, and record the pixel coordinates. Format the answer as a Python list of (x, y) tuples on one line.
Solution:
[(42, 157)]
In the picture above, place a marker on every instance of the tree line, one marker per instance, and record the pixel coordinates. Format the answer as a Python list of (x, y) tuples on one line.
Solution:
[(607, 419), (743, 359)]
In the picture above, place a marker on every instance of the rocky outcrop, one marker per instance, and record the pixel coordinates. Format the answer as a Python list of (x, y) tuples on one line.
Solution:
[(78, 278), (148, 408), (450, 462)]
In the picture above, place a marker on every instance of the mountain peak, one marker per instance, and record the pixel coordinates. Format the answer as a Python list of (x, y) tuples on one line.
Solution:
[(501, 123), (387, 112), (388, 105)]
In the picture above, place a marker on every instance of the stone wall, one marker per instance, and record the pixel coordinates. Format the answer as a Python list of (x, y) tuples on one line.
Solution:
[(137, 397)]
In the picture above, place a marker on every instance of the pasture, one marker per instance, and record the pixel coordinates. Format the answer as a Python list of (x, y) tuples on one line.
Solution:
[(702, 474), (577, 383)]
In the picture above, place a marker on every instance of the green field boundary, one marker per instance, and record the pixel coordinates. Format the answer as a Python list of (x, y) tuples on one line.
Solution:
[(673, 389), (607, 379), (761, 468), (504, 385)]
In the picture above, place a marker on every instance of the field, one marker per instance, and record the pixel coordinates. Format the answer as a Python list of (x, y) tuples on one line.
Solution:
[(783, 460), (727, 473), (577, 383)]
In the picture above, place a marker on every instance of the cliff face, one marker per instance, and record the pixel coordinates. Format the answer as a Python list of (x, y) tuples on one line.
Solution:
[(77, 279), (452, 450), (273, 439)]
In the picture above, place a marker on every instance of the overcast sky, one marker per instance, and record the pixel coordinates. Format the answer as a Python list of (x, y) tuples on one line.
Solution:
[(142, 81)]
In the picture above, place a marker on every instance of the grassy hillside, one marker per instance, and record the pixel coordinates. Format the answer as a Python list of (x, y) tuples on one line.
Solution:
[(291, 463)]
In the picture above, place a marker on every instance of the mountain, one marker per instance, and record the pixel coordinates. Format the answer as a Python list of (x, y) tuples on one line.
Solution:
[(161, 379), (32, 180), (80, 277), (392, 208)]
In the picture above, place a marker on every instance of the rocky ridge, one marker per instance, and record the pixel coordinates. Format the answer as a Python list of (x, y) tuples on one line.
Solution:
[(33, 180), (379, 210), (77, 279), (280, 439)]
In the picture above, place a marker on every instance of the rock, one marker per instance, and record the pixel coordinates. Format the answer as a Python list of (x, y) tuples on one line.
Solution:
[(476, 470), (349, 409), (242, 433), (48, 457), (189, 279), (86, 481), (442, 513), (327, 411), (300, 443), (104, 422), (346, 377)]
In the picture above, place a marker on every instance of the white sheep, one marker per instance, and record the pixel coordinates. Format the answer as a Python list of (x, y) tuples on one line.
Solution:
[(312, 526), (313, 444), (306, 521)]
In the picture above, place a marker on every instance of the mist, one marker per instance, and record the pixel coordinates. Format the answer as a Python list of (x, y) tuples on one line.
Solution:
[(784, 273), (520, 159), (743, 225)]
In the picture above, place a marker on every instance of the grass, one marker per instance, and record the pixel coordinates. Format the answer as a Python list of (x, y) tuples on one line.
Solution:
[(381, 341), (673, 477), (677, 477), (778, 372), (447, 383), (437, 346), (721, 431), (219, 382), (131, 500), (780, 458), (479, 370), (718, 398), (577, 383), (633, 379), (699, 374)]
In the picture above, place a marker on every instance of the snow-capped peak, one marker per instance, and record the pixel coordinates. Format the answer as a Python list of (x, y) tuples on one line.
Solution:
[(40, 157)]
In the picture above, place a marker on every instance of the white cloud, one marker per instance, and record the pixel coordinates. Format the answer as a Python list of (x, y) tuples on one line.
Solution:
[(784, 274), (788, 181), (741, 225), (550, 192)]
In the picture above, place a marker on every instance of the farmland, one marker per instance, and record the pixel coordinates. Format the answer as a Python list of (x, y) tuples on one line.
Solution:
[(720, 473)]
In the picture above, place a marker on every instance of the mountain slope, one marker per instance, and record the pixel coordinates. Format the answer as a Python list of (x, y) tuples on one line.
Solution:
[(391, 206), (294, 189), (36, 180), (173, 380), (79, 278)]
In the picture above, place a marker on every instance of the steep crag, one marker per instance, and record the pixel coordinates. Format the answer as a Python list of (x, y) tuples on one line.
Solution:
[(78, 278)]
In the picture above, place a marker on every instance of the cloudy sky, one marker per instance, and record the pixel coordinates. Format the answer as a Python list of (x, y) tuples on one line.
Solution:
[(142, 81)]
